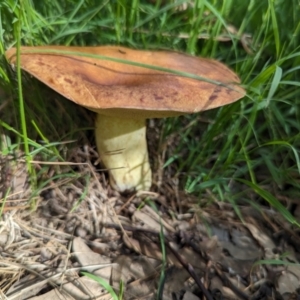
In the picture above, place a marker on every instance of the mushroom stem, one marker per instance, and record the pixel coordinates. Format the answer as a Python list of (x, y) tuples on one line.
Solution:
[(122, 147)]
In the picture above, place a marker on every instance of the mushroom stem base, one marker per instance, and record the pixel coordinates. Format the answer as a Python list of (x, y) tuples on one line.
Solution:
[(122, 147)]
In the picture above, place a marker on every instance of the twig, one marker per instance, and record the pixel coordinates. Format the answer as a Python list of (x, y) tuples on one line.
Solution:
[(228, 283), (186, 265)]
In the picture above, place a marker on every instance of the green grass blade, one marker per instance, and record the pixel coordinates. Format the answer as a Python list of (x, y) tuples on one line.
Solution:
[(271, 200), (104, 283)]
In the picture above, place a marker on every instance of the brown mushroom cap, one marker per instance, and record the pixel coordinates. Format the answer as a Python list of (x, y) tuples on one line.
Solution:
[(120, 89)]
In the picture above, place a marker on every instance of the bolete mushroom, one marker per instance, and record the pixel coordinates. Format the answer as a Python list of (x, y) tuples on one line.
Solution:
[(116, 83)]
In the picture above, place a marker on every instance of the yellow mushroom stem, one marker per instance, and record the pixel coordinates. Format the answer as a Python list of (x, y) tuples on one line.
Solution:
[(122, 147)]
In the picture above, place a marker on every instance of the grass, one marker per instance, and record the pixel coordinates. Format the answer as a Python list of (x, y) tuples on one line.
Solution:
[(248, 148), (107, 286)]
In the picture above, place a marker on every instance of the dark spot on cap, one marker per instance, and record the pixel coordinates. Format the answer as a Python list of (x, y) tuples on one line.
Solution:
[(68, 80), (51, 81), (157, 98), (217, 90), (107, 94), (142, 99), (121, 51), (213, 97)]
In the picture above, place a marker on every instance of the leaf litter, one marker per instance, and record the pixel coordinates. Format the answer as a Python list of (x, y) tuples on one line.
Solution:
[(80, 225)]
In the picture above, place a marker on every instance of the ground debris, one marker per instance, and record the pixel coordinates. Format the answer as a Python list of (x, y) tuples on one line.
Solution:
[(80, 225)]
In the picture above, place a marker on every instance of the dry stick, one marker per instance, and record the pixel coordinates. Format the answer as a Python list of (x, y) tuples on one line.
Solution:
[(221, 275), (191, 271), (186, 265), (227, 282)]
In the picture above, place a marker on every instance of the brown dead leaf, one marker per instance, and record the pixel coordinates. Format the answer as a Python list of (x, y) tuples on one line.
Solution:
[(150, 219), (99, 265)]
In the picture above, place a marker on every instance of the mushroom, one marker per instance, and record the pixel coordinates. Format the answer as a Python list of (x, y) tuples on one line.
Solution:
[(125, 87)]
